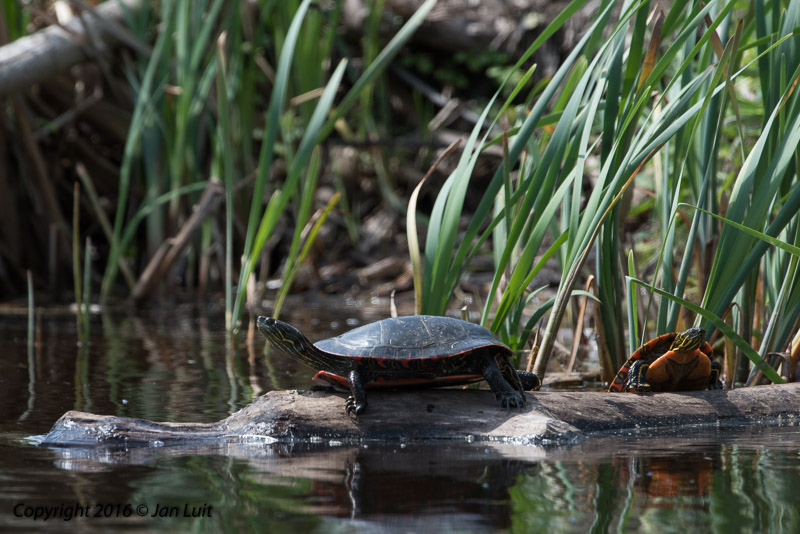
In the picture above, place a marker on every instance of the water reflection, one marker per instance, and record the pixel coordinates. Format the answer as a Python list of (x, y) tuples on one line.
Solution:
[(731, 480), (168, 365), (174, 366)]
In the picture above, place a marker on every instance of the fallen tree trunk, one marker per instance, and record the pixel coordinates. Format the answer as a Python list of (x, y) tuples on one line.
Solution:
[(38, 57), (550, 417)]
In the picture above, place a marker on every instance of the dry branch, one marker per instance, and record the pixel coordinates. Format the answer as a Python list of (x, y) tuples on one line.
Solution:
[(172, 249)]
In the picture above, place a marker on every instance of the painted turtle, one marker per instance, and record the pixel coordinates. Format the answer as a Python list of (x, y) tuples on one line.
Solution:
[(680, 361), (419, 350)]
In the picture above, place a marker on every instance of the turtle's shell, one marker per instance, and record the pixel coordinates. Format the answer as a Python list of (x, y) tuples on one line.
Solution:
[(656, 349), (412, 337), (418, 350)]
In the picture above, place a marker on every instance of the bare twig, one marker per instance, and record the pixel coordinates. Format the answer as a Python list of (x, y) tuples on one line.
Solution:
[(578, 336), (171, 250)]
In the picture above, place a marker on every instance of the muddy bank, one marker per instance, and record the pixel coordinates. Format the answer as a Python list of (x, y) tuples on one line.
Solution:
[(549, 417)]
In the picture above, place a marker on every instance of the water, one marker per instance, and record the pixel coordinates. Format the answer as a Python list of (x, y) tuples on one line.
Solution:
[(172, 365)]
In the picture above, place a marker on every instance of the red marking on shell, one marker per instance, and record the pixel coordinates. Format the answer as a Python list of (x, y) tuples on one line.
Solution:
[(329, 379), (438, 381)]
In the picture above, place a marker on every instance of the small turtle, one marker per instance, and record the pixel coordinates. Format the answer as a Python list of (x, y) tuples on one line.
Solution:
[(419, 350), (680, 361)]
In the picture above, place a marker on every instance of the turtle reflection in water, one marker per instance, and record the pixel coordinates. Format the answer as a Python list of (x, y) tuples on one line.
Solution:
[(413, 351)]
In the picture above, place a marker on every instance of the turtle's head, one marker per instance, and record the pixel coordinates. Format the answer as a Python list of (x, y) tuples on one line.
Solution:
[(278, 332), (689, 340), (269, 326), (286, 337)]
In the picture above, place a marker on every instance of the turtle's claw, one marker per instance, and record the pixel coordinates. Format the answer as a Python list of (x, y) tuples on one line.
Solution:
[(352, 408), (511, 400)]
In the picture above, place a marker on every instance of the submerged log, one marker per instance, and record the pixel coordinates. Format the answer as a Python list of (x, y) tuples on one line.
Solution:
[(549, 417)]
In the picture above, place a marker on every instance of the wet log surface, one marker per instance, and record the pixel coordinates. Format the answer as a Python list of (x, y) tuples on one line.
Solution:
[(548, 418)]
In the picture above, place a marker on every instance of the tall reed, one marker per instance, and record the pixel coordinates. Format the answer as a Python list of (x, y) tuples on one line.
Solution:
[(648, 98)]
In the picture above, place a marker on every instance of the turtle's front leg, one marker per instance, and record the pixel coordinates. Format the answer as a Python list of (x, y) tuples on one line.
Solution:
[(356, 403), (637, 378), (506, 395)]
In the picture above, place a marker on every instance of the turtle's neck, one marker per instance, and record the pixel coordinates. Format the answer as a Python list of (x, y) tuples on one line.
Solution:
[(301, 348)]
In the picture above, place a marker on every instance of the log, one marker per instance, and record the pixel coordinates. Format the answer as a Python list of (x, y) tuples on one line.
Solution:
[(38, 57), (445, 414)]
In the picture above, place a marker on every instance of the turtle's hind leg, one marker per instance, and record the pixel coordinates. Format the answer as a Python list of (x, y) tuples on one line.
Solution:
[(529, 381)]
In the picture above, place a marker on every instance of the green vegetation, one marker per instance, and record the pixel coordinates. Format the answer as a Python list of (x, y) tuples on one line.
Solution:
[(655, 95)]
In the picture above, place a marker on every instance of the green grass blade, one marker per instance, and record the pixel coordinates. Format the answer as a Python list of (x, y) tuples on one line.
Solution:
[(380, 64), (279, 202), (31, 324), (521, 273), (525, 133), (309, 236), (783, 245), (277, 99), (76, 260), (86, 304), (224, 151), (411, 230), (143, 102), (633, 309), (443, 226)]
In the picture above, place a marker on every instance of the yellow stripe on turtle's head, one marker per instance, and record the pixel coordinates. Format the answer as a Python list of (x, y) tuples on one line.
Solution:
[(689, 340)]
